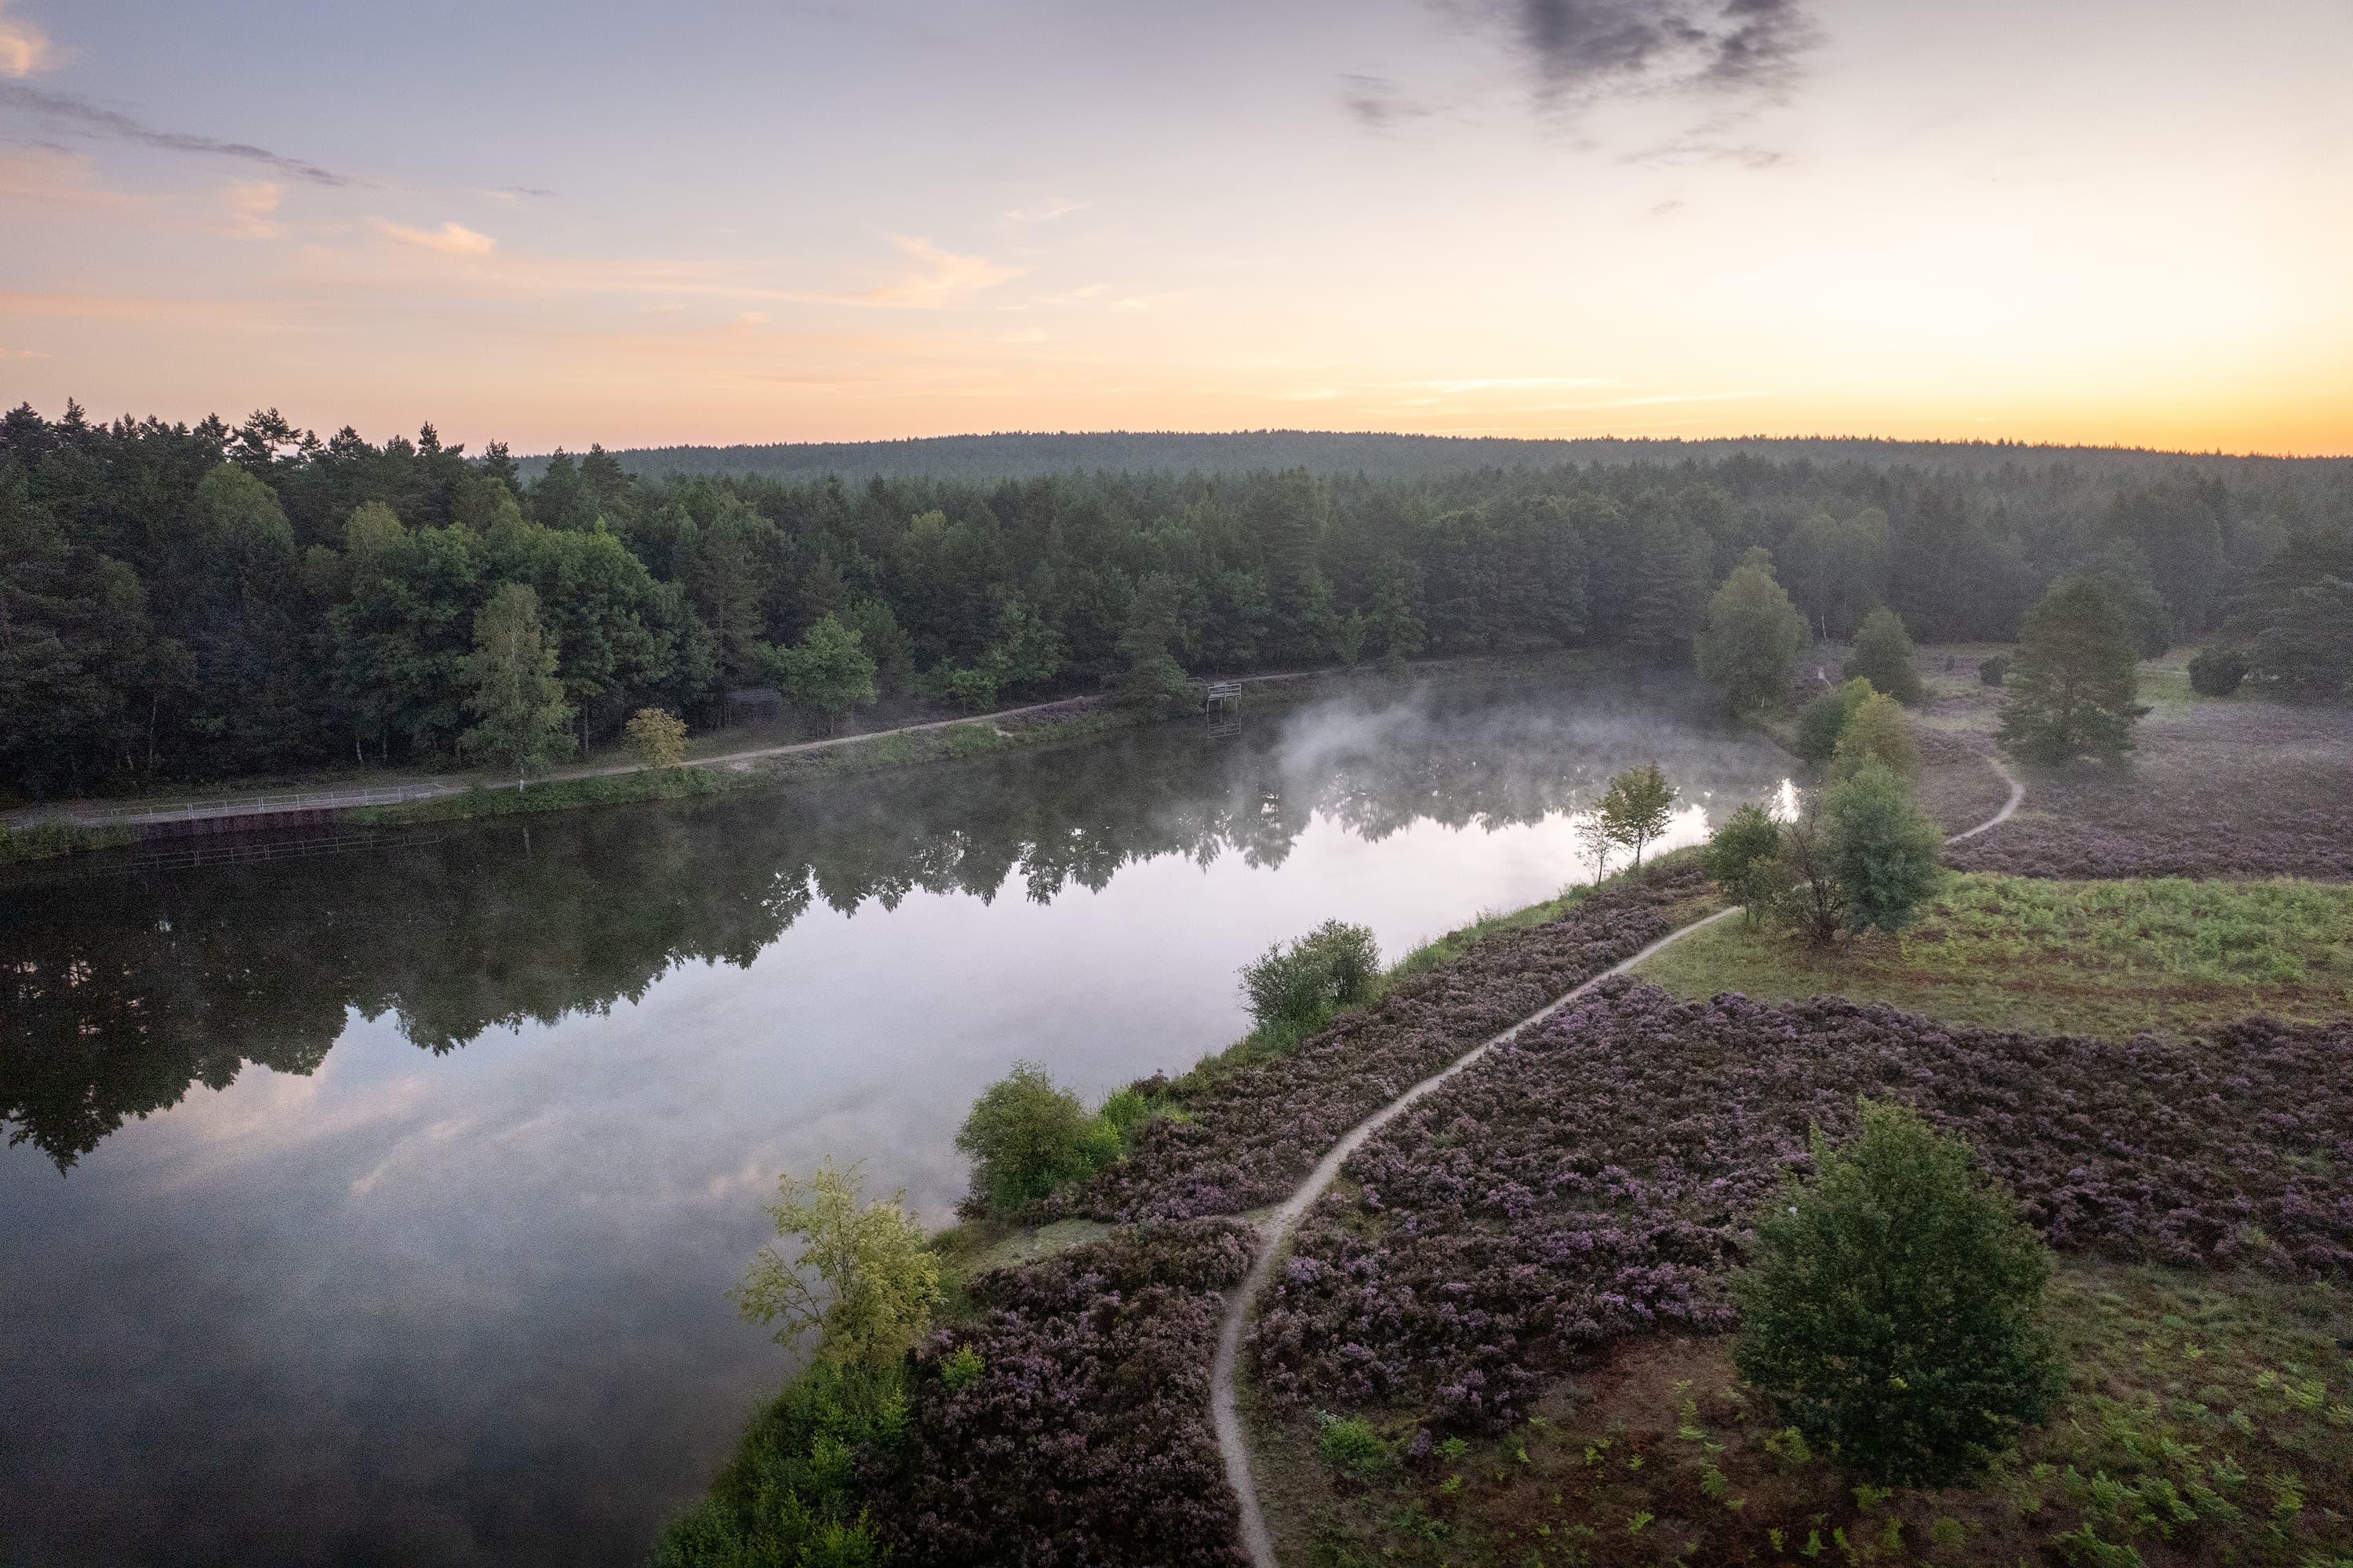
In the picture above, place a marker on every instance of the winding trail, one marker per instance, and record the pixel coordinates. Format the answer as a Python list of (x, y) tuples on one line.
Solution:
[(1274, 1231)]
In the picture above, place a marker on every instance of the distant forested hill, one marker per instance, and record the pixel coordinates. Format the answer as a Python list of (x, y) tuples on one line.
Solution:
[(1022, 454), (205, 602)]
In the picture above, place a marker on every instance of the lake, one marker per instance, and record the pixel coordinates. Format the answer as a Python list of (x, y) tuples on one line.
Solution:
[(374, 1203)]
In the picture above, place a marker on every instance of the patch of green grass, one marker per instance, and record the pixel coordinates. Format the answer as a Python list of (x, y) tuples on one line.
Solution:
[(2212, 1412), (557, 795), (2111, 958), (50, 840)]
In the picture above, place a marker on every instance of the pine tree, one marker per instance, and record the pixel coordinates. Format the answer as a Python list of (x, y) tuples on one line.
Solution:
[(1883, 655), (2072, 690)]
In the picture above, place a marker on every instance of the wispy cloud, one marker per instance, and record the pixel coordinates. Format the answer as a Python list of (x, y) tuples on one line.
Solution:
[(946, 278), (1512, 383), (1045, 211), (67, 110), (249, 206), (452, 240), (1701, 149), (23, 47), (1377, 102), (22, 354)]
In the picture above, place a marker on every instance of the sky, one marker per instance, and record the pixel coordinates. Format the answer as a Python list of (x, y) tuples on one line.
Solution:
[(2067, 220)]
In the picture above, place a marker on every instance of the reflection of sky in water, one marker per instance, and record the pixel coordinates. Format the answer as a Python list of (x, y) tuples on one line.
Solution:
[(468, 1306)]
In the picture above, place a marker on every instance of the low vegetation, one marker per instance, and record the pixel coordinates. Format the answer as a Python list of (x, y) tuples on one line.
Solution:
[(1292, 991), (1025, 1137), (1255, 1123), (1063, 1419), (2214, 788), (2206, 1417), (2029, 953)]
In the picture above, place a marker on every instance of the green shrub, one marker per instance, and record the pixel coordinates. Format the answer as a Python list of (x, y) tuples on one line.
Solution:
[(2216, 671), (1352, 1448), (1296, 988), (1027, 1138), (1820, 721), (1883, 655), (1885, 854), (961, 1368), (1890, 1306), (1125, 1110), (1744, 857), (1995, 671), (1876, 731), (788, 1496)]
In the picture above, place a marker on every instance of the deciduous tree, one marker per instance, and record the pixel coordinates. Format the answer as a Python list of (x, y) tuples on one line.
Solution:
[(828, 670), (1637, 807), (521, 718), (1749, 646), (1890, 1309)]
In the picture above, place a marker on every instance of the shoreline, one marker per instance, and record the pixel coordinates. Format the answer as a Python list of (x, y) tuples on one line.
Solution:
[(40, 833)]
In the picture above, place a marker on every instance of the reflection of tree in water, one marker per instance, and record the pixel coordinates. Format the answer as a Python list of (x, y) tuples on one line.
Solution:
[(123, 991)]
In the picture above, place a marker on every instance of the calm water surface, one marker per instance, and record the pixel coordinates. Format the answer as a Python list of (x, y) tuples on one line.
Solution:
[(376, 1207)]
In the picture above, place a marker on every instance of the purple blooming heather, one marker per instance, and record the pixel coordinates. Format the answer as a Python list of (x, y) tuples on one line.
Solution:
[(1593, 1179)]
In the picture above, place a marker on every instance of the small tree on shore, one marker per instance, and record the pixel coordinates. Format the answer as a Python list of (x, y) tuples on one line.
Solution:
[(876, 1260), (2072, 688), (1335, 964), (656, 738), (523, 718), (1025, 1137), (1890, 1308), (1883, 655), (1749, 645), (1637, 807)]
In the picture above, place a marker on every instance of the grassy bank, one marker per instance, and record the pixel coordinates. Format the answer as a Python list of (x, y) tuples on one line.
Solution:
[(890, 750), (50, 840), (2028, 953)]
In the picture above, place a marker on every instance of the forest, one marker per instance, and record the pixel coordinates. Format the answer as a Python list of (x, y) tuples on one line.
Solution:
[(197, 602)]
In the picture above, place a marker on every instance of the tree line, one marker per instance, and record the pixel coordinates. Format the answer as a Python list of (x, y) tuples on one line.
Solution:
[(204, 602)]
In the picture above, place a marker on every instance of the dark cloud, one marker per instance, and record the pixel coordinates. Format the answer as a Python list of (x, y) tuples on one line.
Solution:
[(1376, 103), (1596, 49), (64, 108)]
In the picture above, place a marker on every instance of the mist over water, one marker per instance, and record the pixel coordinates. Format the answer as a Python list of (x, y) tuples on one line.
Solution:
[(377, 1207)]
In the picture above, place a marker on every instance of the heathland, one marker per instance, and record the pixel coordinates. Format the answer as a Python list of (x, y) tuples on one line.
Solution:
[(1506, 1333)]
